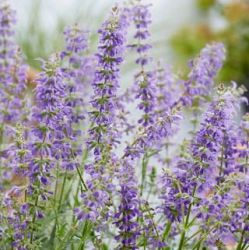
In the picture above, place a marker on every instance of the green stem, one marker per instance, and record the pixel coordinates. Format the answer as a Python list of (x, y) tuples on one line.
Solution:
[(153, 223), (239, 247), (33, 219), (83, 235), (84, 158), (245, 246), (68, 236), (166, 231), (81, 179), (182, 240), (193, 235), (59, 206), (62, 190), (56, 184), (183, 234), (144, 168)]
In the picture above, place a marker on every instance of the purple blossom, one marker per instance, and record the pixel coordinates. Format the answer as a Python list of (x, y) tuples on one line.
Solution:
[(204, 68), (78, 76), (145, 80), (102, 133), (13, 76), (16, 231), (158, 191), (168, 89), (190, 187), (48, 117), (106, 82), (126, 218), (79, 73), (214, 140)]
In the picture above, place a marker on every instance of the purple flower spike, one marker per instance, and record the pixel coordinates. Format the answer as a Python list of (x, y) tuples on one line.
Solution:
[(104, 108), (106, 82), (204, 69), (13, 76), (128, 210)]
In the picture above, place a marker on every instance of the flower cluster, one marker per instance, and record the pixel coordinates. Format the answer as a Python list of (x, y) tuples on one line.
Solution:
[(102, 132), (203, 71), (13, 71), (144, 79), (91, 164), (128, 210)]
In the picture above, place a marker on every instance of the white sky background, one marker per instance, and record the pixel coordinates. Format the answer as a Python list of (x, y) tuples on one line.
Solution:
[(173, 11), (167, 15)]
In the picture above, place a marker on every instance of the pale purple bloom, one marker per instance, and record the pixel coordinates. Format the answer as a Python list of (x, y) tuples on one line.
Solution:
[(126, 218), (204, 69), (13, 80)]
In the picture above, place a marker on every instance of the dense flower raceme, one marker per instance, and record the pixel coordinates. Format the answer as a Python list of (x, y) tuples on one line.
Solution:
[(57, 102), (80, 71), (48, 115), (199, 180), (13, 71), (144, 79), (104, 104), (128, 210), (105, 84), (15, 208), (204, 68), (14, 154), (81, 171), (53, 133), (12, 82)]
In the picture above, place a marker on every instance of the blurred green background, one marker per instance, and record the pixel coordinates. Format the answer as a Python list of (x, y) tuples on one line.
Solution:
[(232, 29)]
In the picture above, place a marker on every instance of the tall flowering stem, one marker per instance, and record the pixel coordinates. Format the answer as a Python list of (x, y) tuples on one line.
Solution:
[(79, 70), (103, 134), (206, 165), (13, 70), (204, 69), (106, 83), (15, 209), (14, 107), (48, 121), (128, 210), (144, 79)]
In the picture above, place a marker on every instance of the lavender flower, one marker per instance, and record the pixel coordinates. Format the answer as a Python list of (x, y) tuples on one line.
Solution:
[(201, 200), (12, 88), (78, 75), (213, 141), (144, 80), (80, 71), (15, 213), (47, 117), (128, 211), (14, 219), (203, 71), (168, 89), (13, 76), (209, 160), (105, 85), (102, 133)]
